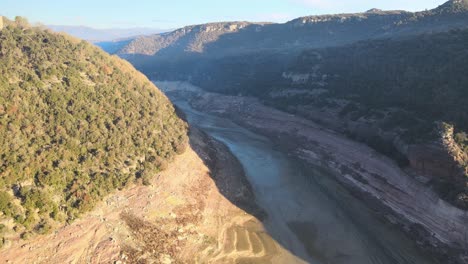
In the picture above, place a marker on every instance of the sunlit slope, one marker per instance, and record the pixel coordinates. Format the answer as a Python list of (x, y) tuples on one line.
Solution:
[(75, 124)]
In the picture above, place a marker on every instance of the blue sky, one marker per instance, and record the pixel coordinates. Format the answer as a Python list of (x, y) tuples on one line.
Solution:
[(177, 13)]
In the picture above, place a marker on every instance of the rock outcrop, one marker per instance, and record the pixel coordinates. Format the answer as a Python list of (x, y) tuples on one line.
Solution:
[(442, 158), (187, 39), (221, 39)]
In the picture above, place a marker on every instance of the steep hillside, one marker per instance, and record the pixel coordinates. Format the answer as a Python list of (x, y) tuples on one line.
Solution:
[(187, 39), (75, 124), (220, 39)]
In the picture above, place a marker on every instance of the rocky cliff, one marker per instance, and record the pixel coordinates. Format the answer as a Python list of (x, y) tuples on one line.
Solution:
[(187, 39), (220, 39)]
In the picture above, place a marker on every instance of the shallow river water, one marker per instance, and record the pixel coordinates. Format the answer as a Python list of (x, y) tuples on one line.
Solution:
[(311, 216)]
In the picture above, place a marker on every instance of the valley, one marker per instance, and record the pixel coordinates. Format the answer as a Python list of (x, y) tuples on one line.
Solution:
[(396, 198), (308, 212), (325, 139)]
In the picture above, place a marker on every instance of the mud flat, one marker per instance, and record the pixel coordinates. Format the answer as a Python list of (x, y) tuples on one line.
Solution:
[(396, 198)]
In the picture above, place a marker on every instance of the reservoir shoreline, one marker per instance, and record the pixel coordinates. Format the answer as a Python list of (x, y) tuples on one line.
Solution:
[(434, 226)]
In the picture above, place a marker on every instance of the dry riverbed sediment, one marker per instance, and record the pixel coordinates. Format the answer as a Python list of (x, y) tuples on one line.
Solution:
[(436, 226)]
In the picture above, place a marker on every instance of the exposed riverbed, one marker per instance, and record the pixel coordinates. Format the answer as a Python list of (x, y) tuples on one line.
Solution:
[(309, 214)]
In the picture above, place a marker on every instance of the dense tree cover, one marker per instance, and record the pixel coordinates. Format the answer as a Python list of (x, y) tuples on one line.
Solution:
[(426, 76), (75, 124)]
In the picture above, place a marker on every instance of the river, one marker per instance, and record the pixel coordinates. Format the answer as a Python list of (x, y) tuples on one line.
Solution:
[(309, 214)]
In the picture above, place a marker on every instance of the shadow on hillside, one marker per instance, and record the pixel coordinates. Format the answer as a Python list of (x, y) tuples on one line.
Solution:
[(229, 176), (226, 171)]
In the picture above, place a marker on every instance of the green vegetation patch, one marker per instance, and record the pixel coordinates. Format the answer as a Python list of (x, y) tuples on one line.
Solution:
[(75, 124)]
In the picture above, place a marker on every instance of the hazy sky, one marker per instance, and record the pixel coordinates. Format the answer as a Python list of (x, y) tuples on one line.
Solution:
[(177, 13)]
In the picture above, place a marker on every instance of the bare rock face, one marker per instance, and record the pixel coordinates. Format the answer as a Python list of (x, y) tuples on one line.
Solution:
[(459, 156), (1, 22), (187, 39), (442, 158), (432, 160), (443, 161)]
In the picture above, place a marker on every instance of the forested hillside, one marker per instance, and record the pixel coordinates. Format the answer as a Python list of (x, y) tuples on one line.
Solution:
[(75, 124), (426, 75)]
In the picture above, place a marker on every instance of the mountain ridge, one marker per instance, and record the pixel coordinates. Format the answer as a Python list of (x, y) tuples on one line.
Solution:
[(191, 36), (303, 32)]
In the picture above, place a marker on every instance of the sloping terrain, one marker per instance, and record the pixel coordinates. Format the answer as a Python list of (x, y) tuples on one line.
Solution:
[(187, 39), (227, 38), (180, 217), (75, 125)]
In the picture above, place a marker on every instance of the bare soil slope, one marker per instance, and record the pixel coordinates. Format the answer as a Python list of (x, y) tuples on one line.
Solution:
[(185, 216)]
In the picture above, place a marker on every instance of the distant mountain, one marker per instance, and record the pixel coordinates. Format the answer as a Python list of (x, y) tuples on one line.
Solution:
[(113, 46), (187, 39), (109, 34), (220, 39), (192, 37)]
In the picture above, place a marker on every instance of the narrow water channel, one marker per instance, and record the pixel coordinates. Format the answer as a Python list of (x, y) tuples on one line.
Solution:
[(309, 214)]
